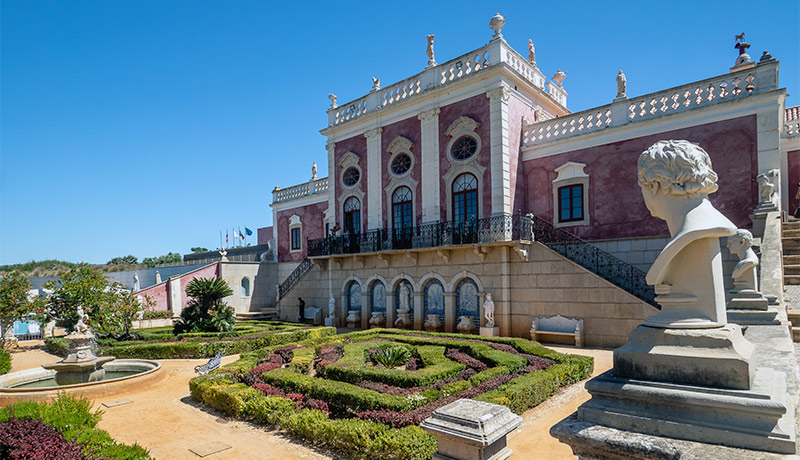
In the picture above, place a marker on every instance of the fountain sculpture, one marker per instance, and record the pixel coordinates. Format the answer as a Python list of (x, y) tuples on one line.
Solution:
[(81, 365)]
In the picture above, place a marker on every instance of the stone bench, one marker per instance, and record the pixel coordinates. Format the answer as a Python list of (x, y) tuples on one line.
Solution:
[(311, 315), (557, 327)]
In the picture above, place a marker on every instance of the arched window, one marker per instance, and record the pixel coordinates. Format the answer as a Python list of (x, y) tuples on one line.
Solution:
[(401, 302), (352, 215), (467, 298), (434, 298), (353, 296), (245, 287), (465, 198), (377, 297), (401, 208)]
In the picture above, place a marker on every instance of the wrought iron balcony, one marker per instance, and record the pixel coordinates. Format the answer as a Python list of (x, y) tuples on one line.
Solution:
[(449, 233)]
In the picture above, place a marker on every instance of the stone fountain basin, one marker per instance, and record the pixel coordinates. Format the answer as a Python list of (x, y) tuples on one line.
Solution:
[(149, 374)]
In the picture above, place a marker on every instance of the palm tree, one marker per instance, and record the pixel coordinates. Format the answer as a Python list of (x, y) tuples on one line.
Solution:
[(206, 311)]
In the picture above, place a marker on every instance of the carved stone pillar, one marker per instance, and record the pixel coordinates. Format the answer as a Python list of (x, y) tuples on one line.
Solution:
[(390, 316), (373, 173), (418, 315), (429, 128), (500, 150), (449, 311)]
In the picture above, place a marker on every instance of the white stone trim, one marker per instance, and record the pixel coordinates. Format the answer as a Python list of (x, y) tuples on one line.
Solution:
[(500, 149), (355, 192), (295, 222), (456, 170), (466, 274), (249, 288), (332, 186), (399, 146), (374, 166), (571, 173), (429, 140), (347, 282), (401, 276), (463, 126), (349, 160), (394, 183), (373, 278)]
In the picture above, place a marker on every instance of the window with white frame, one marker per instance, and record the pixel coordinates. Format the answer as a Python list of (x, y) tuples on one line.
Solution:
[(295, 234), (571, 195)]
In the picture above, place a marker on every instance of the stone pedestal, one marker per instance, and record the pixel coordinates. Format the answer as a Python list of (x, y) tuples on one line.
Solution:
[(490, 331), (759, 219), (471, 430), (719, 357), (403, 320), (353, 319), (330, 321), (748, 300), (760, 418)]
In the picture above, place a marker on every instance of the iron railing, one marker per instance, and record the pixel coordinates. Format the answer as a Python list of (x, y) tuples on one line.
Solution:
[(473, 231), (518, 227), (594, 259), (294, 278)]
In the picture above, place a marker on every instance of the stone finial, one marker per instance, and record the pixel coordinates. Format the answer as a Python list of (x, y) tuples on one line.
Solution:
[(429, 51), (741, 45), (766, 57), (559, 77), (376, 84), (622, 86), (531, 52), (334, 100), (496, 23)]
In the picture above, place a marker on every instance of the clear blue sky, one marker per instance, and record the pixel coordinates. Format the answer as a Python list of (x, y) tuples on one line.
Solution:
[(144, 127)]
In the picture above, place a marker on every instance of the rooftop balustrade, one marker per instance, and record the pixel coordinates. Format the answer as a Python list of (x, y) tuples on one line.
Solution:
[(311, 187), (494, 53), (733, 86)]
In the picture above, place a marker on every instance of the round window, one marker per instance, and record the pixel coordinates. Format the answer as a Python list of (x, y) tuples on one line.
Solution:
[(401, 164), (464, 147), (351, 176)]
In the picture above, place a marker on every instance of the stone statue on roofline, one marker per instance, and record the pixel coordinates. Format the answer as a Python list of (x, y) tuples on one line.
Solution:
[(622, 86), (334, 100), (314, 171), (376, 84), (531, 52), (429, 51)]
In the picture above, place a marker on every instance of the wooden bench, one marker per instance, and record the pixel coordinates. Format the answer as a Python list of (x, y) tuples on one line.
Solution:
[(556, 327), (311, 315)]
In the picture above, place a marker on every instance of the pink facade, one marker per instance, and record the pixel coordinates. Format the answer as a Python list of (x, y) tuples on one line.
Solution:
[(312, 228), (358, 145), (616, 208), (410, 129), (160, 293), (793, 157), (518, 111), (264, 235), (477, 108)]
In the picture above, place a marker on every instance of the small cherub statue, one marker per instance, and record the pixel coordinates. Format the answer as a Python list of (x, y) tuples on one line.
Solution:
[(488, 310), (80, 326)]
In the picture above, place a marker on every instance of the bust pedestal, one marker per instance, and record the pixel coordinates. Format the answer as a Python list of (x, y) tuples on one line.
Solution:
[(490, 331), (330, 321)]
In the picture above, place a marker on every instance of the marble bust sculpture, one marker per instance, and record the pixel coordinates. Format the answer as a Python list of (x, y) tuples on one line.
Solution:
[(676, 179)]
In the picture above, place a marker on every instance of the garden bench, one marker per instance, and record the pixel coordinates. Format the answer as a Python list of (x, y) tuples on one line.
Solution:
[(312, 315), (211, 365), (557, 327)]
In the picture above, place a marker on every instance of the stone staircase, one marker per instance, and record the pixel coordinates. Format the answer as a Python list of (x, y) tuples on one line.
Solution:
[(262, 314), (791, 253)]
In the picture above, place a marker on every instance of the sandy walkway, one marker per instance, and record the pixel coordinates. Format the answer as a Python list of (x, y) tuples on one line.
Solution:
[(165, 420)]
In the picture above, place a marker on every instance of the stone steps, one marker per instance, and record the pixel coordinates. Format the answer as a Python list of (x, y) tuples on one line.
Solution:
[(791, 233), (791, 245), (265, 314), (791, 269), (793, 280)]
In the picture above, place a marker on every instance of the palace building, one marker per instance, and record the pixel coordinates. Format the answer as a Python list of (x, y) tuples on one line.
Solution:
[(473, 177)]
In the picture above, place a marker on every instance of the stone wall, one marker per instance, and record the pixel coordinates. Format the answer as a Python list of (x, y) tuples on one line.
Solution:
[(262, 277), (546, 285)]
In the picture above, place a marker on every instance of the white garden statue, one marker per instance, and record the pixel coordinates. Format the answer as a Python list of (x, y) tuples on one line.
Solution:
[(405, 302), (488, 310), (331, 307), (676, 179)]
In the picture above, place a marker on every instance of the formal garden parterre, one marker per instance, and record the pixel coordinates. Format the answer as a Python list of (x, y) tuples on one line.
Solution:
[(162, 343), (365, 393)]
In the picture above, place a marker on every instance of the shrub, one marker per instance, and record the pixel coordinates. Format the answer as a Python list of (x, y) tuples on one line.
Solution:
[(5, 362), (268, 410), (481, 377), (454, 388), (392, 356), (302, 359), (157, 314), (32, 439), (206, 311)]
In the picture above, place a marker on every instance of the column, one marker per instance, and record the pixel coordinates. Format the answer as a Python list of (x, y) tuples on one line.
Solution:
[(449, 311), (365, 309), (502, 305), (389, 308), (500, 151), (418, 315), (342, 312), (175, 300), (374, 179), (429, 128)]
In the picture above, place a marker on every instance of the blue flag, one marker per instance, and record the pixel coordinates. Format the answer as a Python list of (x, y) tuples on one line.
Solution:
[(248, 231)]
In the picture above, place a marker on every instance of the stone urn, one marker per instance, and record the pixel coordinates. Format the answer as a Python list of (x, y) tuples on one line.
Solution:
[(378, 319), (403, 320), (353, 319), (465, 324), (432, 323)]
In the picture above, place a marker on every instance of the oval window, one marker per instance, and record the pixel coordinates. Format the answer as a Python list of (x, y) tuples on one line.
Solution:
[(464, 147), (401, 164), (351, 177)]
